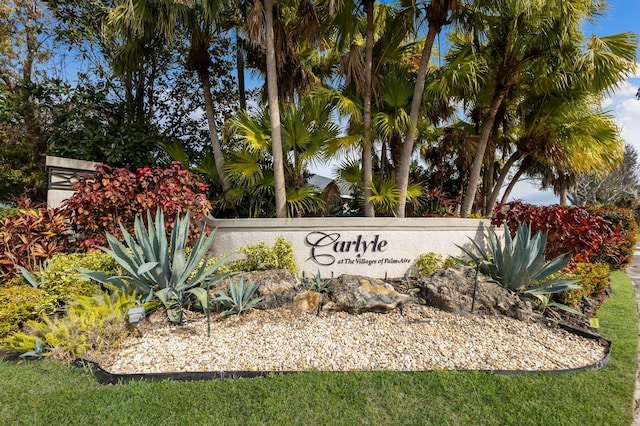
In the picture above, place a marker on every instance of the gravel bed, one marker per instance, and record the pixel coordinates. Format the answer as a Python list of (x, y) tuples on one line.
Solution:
[(281, 339)]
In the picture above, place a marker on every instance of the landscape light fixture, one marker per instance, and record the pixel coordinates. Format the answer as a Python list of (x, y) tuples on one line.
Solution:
[(135, 315)]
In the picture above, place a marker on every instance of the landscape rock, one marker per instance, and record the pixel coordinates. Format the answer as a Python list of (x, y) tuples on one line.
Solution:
[(452, 290), (307, 301), (357, 294)]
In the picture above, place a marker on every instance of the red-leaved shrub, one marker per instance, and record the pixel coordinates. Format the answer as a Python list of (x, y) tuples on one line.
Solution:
[(618, 249), (570, 230), (31, 237), (115, 195)]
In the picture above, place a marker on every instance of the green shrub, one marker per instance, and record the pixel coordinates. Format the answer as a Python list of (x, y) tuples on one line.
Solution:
[(428, 263), (9, 212), (593, 280), (261, 257), (92, 324), (62, 279), (450, 262), (20, 303)]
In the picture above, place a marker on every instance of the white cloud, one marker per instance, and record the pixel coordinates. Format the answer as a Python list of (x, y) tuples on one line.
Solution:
[(626, 109)]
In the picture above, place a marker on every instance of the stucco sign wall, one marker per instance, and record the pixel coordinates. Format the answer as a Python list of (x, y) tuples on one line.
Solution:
[(373, 247)]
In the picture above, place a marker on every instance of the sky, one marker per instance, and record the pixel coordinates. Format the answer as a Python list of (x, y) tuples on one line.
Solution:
[(622, 16)]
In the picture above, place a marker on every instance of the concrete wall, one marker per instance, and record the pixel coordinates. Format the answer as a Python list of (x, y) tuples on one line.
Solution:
[(61, 174), (361, 246)]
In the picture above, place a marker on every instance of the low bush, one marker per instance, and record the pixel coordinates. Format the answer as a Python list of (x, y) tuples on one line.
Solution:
[(427, 264), (6, 212), (62, 279), (32, 237), (118, 195), (618, 249), (261, 257), (593, 280), (92, 324), (20, 303), (570, 230)]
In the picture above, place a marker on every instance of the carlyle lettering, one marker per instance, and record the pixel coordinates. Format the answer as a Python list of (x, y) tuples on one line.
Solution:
[(323, 244)]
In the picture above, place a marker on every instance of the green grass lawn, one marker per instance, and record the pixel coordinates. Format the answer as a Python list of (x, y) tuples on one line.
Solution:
[(49, 392)]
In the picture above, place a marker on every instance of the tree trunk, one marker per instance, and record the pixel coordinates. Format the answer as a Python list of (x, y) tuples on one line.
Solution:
[(402, 178), (240, 65), (491, 201), (213, 130), (476, 166), (513, 182), (563, 196), (274, 113), (367, 143)]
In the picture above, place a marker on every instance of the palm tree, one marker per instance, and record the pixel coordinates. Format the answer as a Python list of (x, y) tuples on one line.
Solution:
[(274, 111), (307, 131), (437, 12), (140, 19), (513, 45), (367, 143)]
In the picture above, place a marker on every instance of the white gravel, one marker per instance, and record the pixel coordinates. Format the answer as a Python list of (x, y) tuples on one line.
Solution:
[(423, 338)]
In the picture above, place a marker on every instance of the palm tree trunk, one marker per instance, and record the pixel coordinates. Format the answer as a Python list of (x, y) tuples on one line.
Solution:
[(367, 143), (491, 201), (563, 196), (240, 64), (402, 180), (213, 130), (511, 185), (274, 113), (476, 166)]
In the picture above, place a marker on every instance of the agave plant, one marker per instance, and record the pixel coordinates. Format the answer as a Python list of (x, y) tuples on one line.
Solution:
[(239, 298), (316, 283), (520, 265), (156, 266)]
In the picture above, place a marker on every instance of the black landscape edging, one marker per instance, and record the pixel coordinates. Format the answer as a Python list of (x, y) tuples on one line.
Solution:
[(106, 378)]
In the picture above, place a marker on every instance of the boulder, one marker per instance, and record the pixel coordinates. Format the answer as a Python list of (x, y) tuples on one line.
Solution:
[(452, 290), (357, 294), (276, 287), (307, 301)]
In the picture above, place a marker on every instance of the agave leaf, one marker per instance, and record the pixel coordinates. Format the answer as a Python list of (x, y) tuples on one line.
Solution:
[(105, 279), (554, 265), (474, 257), (145, 240), (208, 272), (252, 303), (179, 237), (565, 308), (224, 299), (555, 286), (494, 246), (28, 277), (146, 267), (138, 253), (119, 253), (202, 295), (199, 253), (236, 291), (163, 295)]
